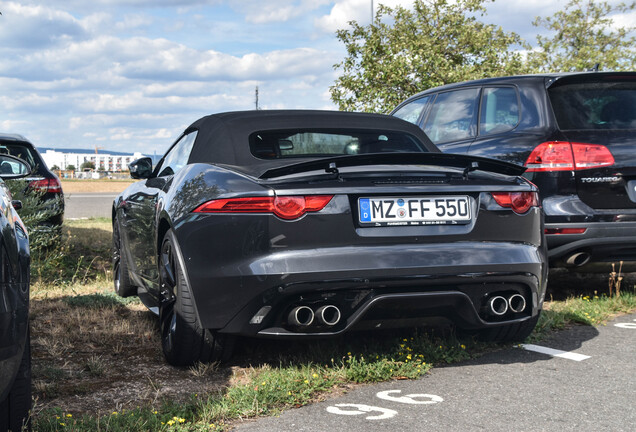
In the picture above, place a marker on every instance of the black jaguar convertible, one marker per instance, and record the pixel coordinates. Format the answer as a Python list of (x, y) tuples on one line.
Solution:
[(309, 224)]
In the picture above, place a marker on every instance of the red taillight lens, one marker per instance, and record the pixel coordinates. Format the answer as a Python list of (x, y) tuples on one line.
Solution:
[(565, 230), (285, 207), (551, 156), (51, 185), (519, 202), (566, 156), (591, 156)]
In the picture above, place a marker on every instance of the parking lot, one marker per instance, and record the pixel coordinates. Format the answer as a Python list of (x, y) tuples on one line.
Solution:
[(581, 379)]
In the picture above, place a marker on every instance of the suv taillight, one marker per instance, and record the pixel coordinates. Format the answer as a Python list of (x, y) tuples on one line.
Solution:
[(566, 156), (46, 185)]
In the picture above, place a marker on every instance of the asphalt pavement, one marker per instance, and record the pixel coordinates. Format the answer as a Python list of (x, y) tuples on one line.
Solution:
[(87, 205), (587, 382)]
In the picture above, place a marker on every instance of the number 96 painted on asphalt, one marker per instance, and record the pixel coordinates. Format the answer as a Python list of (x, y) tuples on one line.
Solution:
[(384, 413)]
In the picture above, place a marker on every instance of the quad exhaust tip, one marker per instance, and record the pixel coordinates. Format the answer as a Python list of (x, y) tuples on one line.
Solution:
[(301, 316), (304, 316), (499, 305), (517, 303), (328, 315)]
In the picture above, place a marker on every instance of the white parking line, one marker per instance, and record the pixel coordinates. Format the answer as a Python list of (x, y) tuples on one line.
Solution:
[(555, 353)]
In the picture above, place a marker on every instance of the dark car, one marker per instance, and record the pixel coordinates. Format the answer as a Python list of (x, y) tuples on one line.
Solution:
[(15, 352), (42, 180), (575, 133), (313, 223)]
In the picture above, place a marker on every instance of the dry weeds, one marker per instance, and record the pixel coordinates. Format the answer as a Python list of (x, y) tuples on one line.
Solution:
[(94, 354)]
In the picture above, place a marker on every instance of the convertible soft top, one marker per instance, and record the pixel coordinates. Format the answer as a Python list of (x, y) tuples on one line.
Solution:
[(224, 138)]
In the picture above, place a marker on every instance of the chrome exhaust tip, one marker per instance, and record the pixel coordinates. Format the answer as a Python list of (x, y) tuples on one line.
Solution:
[(301, 316), (578, 259), (498, 305), (517, 303), (328, 315)]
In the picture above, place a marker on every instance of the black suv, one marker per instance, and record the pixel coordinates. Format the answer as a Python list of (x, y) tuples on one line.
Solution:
[(575, 133), (42, 180)]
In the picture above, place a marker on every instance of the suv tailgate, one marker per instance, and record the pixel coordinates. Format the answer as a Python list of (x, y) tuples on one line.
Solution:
[(600, 109)]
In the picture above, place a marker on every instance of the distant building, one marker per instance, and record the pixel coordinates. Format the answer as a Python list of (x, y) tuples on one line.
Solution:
[(112, 161)]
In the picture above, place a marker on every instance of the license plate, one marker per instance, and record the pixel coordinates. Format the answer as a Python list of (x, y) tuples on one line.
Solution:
[(437, 210)]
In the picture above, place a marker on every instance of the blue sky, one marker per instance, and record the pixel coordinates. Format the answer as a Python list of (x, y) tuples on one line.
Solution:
[(130, 75)]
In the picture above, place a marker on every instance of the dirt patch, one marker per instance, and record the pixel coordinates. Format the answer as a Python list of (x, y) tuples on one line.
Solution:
[(93, 354), (95, 186)]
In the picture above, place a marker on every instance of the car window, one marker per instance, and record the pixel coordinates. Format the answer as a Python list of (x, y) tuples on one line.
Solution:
[(595, 105), (280, 144), (21, 151), (452, 117), (499, 110), (177, 157), (411, 112)]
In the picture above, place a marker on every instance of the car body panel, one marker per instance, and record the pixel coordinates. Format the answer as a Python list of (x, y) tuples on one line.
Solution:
[(571, 199), (14, 291), (238, 263)]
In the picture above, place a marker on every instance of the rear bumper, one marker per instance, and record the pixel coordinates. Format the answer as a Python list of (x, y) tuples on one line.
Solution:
[(602, 241), (381, 283)]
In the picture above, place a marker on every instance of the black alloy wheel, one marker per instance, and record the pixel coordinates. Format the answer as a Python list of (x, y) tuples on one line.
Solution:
[(183, 340), (121, 277)]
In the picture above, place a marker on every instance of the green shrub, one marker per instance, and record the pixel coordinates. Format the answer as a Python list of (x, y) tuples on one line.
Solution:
[(44, 238)]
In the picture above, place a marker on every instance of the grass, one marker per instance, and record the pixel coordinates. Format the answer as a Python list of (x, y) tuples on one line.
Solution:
[(88, 341), (83, 255)]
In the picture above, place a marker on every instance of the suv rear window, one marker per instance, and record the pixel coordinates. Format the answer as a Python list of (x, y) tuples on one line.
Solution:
[(280, 144), (595, 105)]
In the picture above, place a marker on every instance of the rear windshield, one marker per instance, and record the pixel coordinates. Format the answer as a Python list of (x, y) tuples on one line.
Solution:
[(595, 105), (281, 144)]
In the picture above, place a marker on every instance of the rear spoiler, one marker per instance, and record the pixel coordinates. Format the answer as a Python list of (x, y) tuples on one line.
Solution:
[(467, 163)]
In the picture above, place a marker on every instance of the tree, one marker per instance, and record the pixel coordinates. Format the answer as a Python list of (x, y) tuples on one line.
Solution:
[(584, 36), (55, 168), (70, 167), (87, 165), (438, 42)]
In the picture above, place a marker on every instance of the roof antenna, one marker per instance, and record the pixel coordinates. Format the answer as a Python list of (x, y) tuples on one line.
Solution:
[(594, 68)]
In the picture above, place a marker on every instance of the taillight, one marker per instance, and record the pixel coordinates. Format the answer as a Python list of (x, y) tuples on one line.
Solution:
[(285, 207), (51, 185), (565, 230), (519, 202), (591, 156), (566, 156)]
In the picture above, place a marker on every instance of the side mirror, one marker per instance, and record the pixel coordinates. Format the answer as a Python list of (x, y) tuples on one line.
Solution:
[(141, 168), (12, 167)]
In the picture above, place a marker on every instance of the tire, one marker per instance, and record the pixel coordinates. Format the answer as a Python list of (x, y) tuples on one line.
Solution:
[(121, 276), (15, 409), (517, 332), (183, 340)]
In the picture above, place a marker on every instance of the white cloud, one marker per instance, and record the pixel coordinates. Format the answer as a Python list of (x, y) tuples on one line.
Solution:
[(344, 11), (258, 11), (33, 27)]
